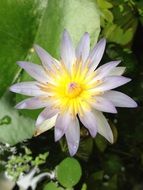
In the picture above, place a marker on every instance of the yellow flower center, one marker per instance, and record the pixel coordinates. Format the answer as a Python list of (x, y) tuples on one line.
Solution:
[(73, 90)]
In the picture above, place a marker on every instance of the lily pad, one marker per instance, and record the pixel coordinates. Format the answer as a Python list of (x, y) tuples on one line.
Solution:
[(69, 172)]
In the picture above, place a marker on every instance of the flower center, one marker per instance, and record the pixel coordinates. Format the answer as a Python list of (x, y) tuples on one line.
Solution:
[(73, 90)]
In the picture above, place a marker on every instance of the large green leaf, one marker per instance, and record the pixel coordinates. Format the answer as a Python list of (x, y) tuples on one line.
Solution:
[(19, 21), (13, 127), (74, 15)]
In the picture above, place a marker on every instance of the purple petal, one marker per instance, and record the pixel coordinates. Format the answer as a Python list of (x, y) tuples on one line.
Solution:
[(47, 113), (111, 82), (103, 70), (103, 126), (33, 103), (90, 122), (35, 70), (119, 99), (96, 54), (103, 104), (73, 136), (62, 122), (83, 48), (28, 88), (46, 59), (67, 50), (117, 71), (46, 125)]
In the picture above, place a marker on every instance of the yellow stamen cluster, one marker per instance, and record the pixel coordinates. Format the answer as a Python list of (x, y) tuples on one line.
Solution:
[(71, 89)]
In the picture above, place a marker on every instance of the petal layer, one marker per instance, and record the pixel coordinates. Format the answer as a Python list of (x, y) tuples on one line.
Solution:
[(119, 99), (62, 122), (90, 122), (105, 69), (117, 71), (83, 48), (33, 103), (28, 88), (96, 54), (67, 50), (46, 125), (111, 82), (73, 136), (46, 59), (47, 113), (103, 126), (35, 70), (103, 104)]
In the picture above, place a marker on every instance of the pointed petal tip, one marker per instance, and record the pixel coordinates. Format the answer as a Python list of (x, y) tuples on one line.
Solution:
[(117, 62), (86, 34), (128, 79), (12, 88), (36, 133), (103, 41), (36, 46), (18, 62), (72, 152), (19, 106), (133, 104), (21, 63), (110, 137), (125, 80), (39, 121), (58, 134), (111, 140), (114, 111), (65, 32), (66, 35), (73, 148), (93, 133)]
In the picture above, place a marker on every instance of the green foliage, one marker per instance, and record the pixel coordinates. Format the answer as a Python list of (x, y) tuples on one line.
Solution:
[(116, 29), (113, 164), (19, 21), (101, 143), (115, 33), (14, 128), (84, 187), (69, 172), (85, 148), (52, 186), (19, 164), (105, 12)]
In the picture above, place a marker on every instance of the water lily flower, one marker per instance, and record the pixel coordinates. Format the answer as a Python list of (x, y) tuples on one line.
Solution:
[(73, 89)]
